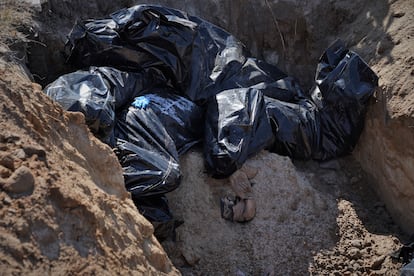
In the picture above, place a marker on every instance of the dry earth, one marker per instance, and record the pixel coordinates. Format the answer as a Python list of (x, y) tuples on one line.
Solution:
[(311, 218), (63, 208)]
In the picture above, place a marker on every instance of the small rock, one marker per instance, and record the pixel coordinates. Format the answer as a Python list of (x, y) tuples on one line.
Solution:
[(396, 240), (20, 154), (356, 266), (7, 161), (32, 150), (190, 257), (398, 14), (21, 181), (4, 172), (376, 264), (409, 60), (364, 251), (271, 57), (357, 243), (7, 200), (9, 138), (13, 246), (354, 253), (22, 227), (383, 46), (12, 211)]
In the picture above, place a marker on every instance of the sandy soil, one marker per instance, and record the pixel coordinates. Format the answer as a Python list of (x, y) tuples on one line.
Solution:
[(311, 218)]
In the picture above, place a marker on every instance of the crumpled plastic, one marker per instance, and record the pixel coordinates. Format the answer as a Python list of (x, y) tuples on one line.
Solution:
[(98, 93), (181, 47), (296, 128), (193, 67), (328, 123), (156, 210), (343, 85), (147, 153), (236, 128), (180, 117), (87, 92)]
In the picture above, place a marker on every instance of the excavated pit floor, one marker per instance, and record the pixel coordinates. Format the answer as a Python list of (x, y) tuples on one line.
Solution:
[(316, 217)]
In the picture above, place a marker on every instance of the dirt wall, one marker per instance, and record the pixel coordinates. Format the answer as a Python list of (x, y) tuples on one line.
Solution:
[(386, 148)]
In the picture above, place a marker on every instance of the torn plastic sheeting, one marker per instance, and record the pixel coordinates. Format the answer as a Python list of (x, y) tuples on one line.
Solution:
[(344, 84), (296, 128), (236, 128), (146, 153), (182, 47), (182, 118)]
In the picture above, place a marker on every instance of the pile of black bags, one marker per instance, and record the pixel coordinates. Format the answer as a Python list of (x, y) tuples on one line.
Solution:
[(172, 80)]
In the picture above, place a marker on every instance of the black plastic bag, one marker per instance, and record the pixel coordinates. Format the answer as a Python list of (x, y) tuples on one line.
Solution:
[(344, 84), (236, 71), (97, 93), (156, 210), (87, 92), (182, 119), (99, 42), (200, 60), (296, 128), (146, 153), (236, 128), (329, 124), (181, 47)]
